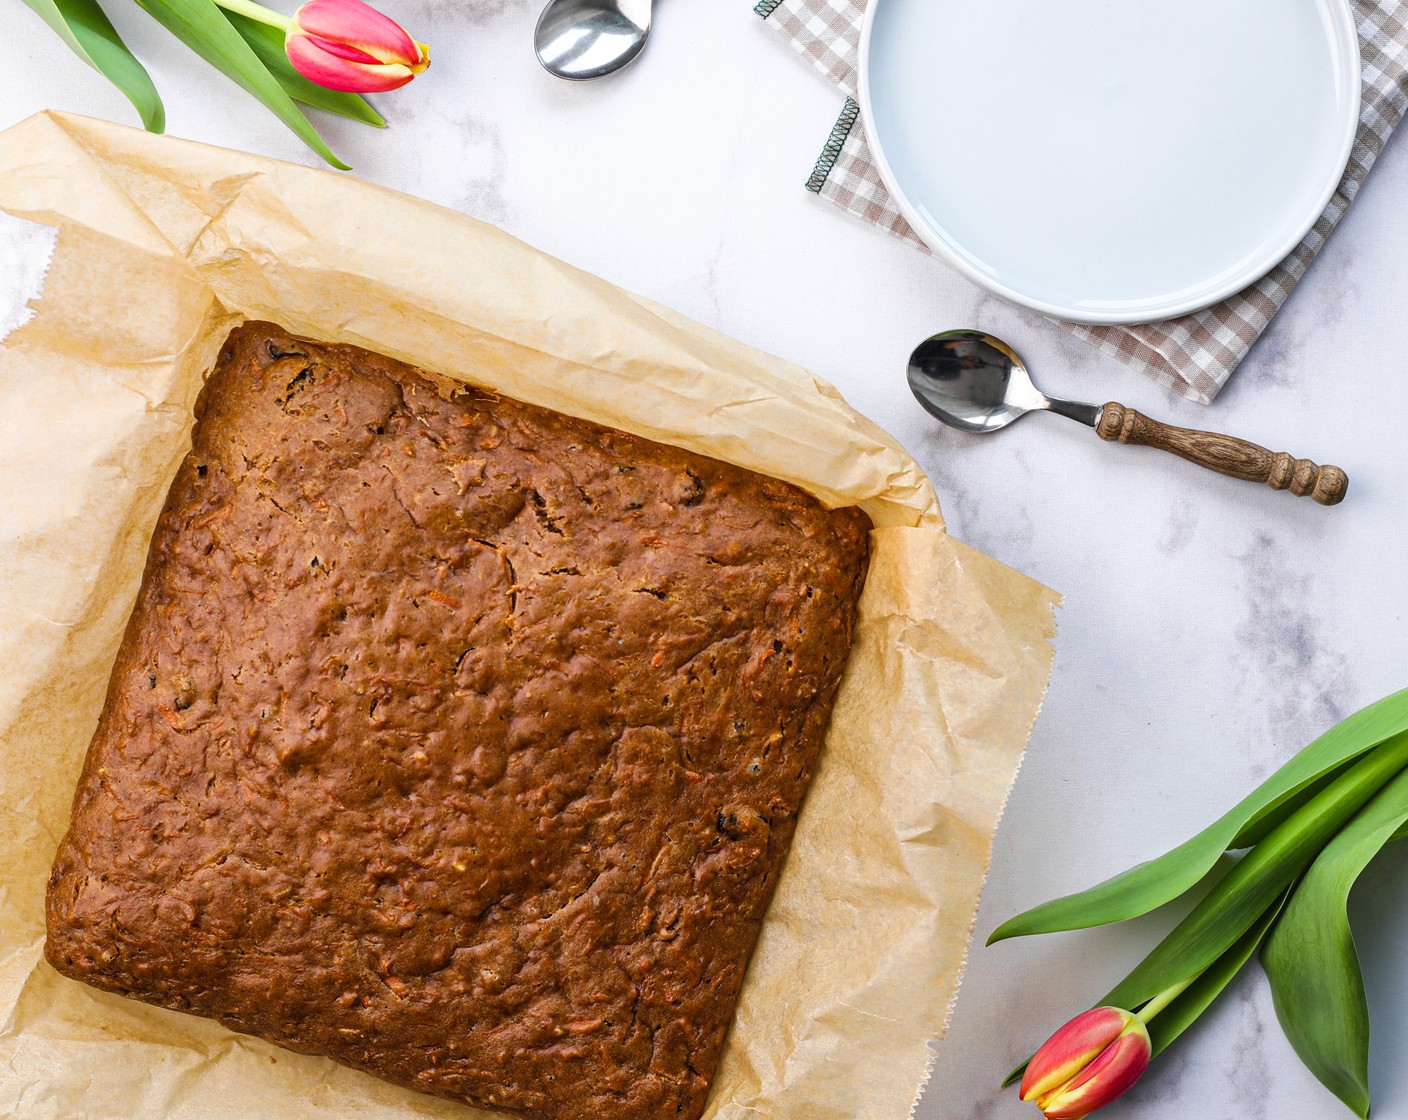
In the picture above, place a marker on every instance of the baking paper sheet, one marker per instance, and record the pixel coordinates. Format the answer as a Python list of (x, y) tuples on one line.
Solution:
[(162, 246)]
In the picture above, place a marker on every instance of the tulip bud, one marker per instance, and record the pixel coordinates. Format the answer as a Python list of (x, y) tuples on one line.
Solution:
[(346, 45), (1093, 1059)]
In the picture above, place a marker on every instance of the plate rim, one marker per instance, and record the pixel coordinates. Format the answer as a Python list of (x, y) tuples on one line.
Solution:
[(1347, 28)]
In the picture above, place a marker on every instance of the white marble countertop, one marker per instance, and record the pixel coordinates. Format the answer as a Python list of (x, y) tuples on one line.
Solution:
[(1211, 627)]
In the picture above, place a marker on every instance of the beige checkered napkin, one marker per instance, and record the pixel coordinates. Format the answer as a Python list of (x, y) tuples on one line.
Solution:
[(1195, 354)]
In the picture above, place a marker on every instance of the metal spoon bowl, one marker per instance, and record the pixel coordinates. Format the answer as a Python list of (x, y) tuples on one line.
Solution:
[(977, 383), (584, 39)]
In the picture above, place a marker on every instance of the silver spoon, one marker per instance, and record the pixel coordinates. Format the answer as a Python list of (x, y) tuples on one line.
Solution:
[(582, 39), (977, 383)]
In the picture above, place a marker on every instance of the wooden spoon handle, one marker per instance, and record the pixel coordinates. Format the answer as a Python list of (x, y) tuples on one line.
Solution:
[(1226, 455)]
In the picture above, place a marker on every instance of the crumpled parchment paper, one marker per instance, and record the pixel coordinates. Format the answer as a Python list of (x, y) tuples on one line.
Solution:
[(162, 246)]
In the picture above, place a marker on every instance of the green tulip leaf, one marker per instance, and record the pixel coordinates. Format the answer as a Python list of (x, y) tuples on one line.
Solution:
[(89, 33), (1152, 884), (1239, 899), (1239, 902), (203, 27), (268, 43), (1265, 823), (1181, 1014), (1310, 957)]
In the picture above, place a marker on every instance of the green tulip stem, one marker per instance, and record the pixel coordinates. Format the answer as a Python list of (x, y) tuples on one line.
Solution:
[(1164, 998), (257, 12)]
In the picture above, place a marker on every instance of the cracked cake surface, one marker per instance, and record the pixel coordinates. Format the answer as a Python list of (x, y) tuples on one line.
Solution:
[(453, 738)]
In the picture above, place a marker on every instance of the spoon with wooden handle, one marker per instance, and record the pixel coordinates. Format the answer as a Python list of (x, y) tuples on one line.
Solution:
[(977, 383)]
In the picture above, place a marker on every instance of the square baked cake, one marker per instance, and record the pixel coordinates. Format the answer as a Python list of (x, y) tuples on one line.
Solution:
[(453, 738)]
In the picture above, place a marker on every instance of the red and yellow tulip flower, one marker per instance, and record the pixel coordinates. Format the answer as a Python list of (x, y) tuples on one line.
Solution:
[(1091, 1061), (346, 45), (343, 45)]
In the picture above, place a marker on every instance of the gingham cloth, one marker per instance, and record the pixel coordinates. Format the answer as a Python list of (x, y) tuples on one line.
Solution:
[(1194, 355)]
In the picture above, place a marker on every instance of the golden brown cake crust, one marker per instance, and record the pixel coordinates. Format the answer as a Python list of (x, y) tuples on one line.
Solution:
[(453, 738)]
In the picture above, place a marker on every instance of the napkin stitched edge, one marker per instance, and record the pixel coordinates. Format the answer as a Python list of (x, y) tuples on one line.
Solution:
[(840, 132)]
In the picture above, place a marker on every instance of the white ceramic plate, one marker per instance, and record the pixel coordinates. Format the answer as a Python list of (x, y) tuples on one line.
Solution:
[(1111, 161)]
